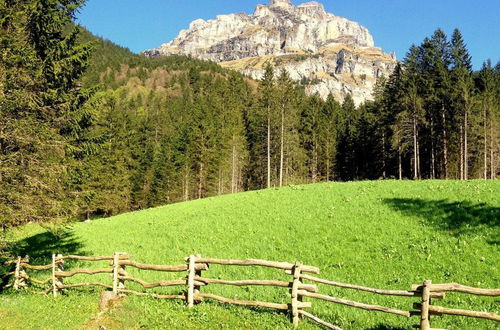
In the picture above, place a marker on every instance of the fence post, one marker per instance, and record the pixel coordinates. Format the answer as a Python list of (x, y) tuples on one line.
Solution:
[(295, 296), (118, 269), (17, 274), (23, 275), (425, 323), (190, 280)]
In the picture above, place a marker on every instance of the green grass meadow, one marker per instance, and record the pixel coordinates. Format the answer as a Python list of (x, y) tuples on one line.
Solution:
[(384, 234)]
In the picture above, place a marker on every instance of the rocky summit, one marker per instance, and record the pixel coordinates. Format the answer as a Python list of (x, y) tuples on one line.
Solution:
[(326, 53)]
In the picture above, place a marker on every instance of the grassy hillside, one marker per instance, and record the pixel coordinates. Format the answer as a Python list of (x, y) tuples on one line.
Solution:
[(386, 234)]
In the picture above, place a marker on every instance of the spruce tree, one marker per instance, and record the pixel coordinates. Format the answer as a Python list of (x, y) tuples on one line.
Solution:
[(488, 86), (260, 124), (43, 108), (392, 101), (345, 157), (462, 95), (310, 135), (436, 71), (328, 131), (286, 108), (412, 102)]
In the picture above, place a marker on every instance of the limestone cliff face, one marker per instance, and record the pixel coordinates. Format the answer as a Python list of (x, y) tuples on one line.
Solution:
[(327, 53)]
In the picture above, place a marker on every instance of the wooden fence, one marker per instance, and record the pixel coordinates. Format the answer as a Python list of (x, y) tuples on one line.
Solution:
[(301, 285)]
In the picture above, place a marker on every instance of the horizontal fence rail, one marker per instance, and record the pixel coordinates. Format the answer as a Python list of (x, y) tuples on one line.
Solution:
[(162, 268), (257, 262), (355, 304), (193, 281), (101, 258), (400, 293), (455, 287)]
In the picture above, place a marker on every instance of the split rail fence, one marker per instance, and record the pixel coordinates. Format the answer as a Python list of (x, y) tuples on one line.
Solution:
[(301, 285)]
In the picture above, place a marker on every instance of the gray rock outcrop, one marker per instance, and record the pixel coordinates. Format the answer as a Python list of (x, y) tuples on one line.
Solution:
[(327, 53)]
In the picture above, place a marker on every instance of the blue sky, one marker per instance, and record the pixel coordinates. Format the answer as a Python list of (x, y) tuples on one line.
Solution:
[(394, 24)]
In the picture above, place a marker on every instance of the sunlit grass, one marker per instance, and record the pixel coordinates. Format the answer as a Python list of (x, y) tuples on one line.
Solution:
[(385, 234)]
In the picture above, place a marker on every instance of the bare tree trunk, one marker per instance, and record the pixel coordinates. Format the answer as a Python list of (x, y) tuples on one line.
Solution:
[(466, 147), (287, 174), (492, 152), (445, 143), (327, 163), (240, 179), (268, 148), (314, 165), (282, 152), (219, 181), (287, 167), (433, 156), (485, 145), (200, 182), (400, 166), (332, 164), (461, 153), (233, 169), (415, 149), (419, 169), (186, 186), (383, 155)]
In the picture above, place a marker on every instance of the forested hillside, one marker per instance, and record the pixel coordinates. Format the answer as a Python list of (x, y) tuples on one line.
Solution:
[(86, 135), (181, 129)]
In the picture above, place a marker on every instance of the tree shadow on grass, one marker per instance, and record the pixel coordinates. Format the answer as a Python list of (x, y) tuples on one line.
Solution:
[(385, 327), (40, 247), (459, 217)]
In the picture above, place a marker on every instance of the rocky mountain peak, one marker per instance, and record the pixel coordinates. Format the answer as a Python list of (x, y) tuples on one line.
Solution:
[(280, 3), (313, 8), (327, 53)]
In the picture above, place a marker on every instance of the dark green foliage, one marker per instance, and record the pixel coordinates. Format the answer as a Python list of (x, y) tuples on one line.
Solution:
[(43, 111), (259, 120), (347, 138)]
